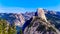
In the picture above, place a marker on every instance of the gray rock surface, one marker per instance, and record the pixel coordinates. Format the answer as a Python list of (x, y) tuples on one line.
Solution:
[(39, 26)]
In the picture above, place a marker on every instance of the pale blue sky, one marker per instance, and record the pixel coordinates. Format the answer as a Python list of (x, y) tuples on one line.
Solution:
[(28, 5)]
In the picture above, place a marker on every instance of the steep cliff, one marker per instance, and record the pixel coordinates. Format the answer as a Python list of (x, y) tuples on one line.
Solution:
[(39, 26)]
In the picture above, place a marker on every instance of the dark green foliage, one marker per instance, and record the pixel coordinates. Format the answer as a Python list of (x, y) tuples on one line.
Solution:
[(21, 31), (6, 28), (12, 30), (3, 26)]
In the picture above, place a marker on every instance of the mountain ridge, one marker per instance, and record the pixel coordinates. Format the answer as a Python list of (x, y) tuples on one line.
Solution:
[(40, 25), (12, 16)]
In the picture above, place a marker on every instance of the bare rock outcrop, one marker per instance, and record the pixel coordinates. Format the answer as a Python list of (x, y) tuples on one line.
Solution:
[(19, 21), (41, 14), (40, 25)]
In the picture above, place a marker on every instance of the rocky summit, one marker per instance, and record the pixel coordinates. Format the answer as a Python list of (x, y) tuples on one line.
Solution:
[(40, 25), (41, 14)]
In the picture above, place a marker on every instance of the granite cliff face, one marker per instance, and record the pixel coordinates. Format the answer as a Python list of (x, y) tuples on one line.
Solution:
[(41, 13), (40, 25), (19, 21)]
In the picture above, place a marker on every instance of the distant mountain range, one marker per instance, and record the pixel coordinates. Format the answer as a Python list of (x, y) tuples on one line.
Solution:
[(12, 17), (21, 18)]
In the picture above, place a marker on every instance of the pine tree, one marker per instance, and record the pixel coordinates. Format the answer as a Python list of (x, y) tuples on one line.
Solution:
[(3, 27), (12, 29), (6, 28)]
